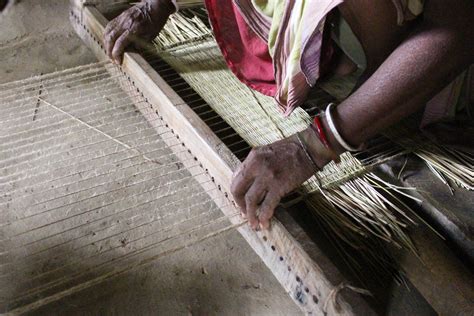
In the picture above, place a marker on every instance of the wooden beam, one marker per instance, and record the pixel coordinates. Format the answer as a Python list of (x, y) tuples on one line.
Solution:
[(300, 276)]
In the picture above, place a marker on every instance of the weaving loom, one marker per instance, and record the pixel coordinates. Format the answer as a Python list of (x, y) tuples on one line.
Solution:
[(177, 135)]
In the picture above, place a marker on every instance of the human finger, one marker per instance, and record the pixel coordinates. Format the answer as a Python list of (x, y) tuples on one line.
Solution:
[(241, 182), (110, 35), (267, 209), (253, 197), (119, 47)]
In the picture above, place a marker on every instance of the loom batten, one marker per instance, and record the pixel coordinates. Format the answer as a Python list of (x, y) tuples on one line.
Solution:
[(214, 156)]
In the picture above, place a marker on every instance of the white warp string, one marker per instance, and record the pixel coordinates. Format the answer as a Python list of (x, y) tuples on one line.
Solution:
[(77, 187)]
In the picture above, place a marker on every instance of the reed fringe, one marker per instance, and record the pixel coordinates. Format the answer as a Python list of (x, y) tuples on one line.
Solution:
[(452, 166)]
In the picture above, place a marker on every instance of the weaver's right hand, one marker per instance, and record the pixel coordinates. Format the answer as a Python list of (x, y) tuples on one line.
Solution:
[(143, 21)]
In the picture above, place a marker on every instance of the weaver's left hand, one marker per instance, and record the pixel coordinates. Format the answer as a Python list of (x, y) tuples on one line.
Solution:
[(266, 176)]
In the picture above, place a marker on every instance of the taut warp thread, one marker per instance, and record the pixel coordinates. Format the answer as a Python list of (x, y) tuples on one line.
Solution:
[(87, 181)]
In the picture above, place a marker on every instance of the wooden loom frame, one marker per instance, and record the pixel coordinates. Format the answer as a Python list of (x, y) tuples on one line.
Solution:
[(307, 283)]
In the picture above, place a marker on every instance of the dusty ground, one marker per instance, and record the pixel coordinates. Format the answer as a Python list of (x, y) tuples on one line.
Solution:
[(36, 38), (218, 276)]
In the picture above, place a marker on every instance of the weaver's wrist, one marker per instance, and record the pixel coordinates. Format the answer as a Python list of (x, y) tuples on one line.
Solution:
[(316, 149)]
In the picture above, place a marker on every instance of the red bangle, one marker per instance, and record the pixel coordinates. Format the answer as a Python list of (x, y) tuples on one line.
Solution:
[(317, 126), (318, 129)]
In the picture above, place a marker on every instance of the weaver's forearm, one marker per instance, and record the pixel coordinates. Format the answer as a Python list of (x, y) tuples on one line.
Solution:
[(416, 71)]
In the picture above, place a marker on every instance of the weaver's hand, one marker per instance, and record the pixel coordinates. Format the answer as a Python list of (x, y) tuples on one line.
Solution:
[(143, 21), (269, 173)]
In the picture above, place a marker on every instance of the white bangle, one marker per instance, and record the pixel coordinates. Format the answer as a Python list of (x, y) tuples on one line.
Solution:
[(334, 131)]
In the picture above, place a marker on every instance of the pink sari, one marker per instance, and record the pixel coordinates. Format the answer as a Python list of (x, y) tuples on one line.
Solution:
[(242, 34)]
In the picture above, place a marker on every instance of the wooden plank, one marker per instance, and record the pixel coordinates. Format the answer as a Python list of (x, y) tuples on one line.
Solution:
[(443, 279), (301, 277)]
